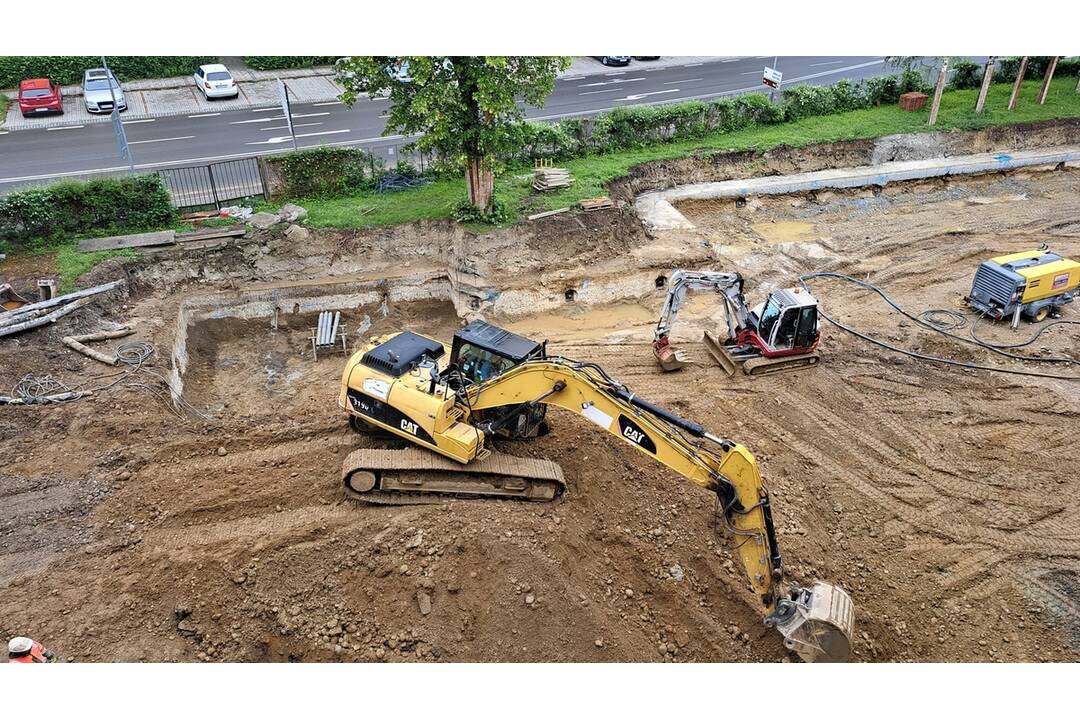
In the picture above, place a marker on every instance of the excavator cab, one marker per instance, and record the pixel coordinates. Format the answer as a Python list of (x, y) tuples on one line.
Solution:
[(482, 351), (788, 321)]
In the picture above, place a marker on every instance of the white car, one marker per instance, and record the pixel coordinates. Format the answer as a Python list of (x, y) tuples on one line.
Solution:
[(215, 81)]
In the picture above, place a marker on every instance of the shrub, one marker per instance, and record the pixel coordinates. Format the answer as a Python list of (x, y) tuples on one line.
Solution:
[(325, 171), (68, 70), (967, 75), (282, 62), (38, 216)]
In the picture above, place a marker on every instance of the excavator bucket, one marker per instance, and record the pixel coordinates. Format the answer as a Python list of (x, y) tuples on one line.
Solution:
[(669, 358), (716, 348), (819, 624)]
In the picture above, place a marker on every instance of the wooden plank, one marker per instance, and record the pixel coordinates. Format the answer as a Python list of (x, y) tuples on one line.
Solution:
[(537, 216), (116, 242), (211, 233)]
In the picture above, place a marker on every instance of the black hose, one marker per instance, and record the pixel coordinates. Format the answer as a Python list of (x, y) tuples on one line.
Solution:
[(933, 322)]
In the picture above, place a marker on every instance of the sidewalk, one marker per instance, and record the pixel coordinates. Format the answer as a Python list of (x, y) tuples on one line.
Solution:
[(162, 97)]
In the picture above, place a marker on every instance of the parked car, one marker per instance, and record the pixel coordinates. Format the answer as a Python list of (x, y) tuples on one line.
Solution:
[(613, 60), (40, 96), (215, 81), (99, 89), (646, 57)]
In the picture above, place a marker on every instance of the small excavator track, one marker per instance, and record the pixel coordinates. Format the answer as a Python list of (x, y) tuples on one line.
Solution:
[(414, 476)]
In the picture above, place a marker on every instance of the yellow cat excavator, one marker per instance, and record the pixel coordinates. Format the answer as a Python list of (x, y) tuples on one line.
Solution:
[(451, 402)]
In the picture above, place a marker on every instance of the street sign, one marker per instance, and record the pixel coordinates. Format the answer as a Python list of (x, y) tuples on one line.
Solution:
[(772, 78), (121, 137), (283, 94)]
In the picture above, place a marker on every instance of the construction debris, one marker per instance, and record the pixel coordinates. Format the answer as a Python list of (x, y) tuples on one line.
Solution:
[(41, 313), (597, 203), (551, 178), (76, 343)]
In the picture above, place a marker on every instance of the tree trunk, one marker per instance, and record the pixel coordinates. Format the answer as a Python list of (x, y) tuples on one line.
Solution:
[(988, 74), (1019, 81), (1047, 79), (481, 181), (938, 90)]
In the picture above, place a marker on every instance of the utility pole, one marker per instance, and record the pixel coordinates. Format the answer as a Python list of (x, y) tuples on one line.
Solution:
[(1047, 79), (1016, 85), (118, 126), (988, 74), (938, 90)]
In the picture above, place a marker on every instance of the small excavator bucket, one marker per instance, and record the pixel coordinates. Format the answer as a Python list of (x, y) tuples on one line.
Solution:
[(669, 358), (820, 624), (716, 348)]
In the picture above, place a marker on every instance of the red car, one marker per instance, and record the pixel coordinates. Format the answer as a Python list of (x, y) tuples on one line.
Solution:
[(40, 96)]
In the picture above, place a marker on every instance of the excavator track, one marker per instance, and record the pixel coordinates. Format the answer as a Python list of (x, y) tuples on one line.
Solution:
[(755, 365), (414, 476), (766, 366)]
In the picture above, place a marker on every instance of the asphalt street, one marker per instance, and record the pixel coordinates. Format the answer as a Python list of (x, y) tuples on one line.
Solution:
[(31, 156)]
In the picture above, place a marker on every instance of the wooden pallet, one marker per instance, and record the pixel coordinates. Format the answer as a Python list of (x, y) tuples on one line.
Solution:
[(597, 203), (551, 178)]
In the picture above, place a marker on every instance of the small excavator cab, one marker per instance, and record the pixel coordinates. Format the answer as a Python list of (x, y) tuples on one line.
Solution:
[(788, 321)]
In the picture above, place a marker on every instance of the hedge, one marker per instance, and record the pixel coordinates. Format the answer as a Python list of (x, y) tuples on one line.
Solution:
[(282, 62), (1037, 65), (638, 126), (68, 69), (324, 171), (967, 75), (39, 216)]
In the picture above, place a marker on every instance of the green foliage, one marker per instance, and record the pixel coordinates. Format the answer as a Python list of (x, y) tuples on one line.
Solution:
[(462, 105), (326, 171), (1008, 67), (4, 102), (967, 75), (495, 214), (41, 216), (281, 62), (68, 69)]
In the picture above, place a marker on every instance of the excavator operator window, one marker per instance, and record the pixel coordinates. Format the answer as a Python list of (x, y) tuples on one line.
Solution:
[(785, 333), (479, 364), (768, 318)]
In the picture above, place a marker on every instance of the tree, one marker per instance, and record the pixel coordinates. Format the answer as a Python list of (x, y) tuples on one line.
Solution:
[(462, 106)]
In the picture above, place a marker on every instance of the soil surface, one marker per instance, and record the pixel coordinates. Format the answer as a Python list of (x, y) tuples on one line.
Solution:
[(940, 497)]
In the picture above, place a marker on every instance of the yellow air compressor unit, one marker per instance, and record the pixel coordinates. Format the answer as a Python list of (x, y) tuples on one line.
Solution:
[(1034, 284)]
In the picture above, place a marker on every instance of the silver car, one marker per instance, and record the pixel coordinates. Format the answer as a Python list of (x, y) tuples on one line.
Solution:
[(100, 89)]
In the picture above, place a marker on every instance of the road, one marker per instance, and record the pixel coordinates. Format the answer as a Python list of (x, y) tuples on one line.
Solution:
[(32, 156)]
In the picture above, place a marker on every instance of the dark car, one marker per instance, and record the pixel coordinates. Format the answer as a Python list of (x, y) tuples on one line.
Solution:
[(40, 96), (646, 57), (613, 60)]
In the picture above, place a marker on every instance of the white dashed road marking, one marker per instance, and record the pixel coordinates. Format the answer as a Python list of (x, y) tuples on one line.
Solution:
[(143, 142)]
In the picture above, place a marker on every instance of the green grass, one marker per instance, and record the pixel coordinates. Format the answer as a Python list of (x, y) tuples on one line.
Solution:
[(4, 102), (70, 263), (591, 174)]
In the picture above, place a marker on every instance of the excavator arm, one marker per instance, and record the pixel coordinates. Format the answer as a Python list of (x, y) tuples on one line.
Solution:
[(728, 284), (816, 622)]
